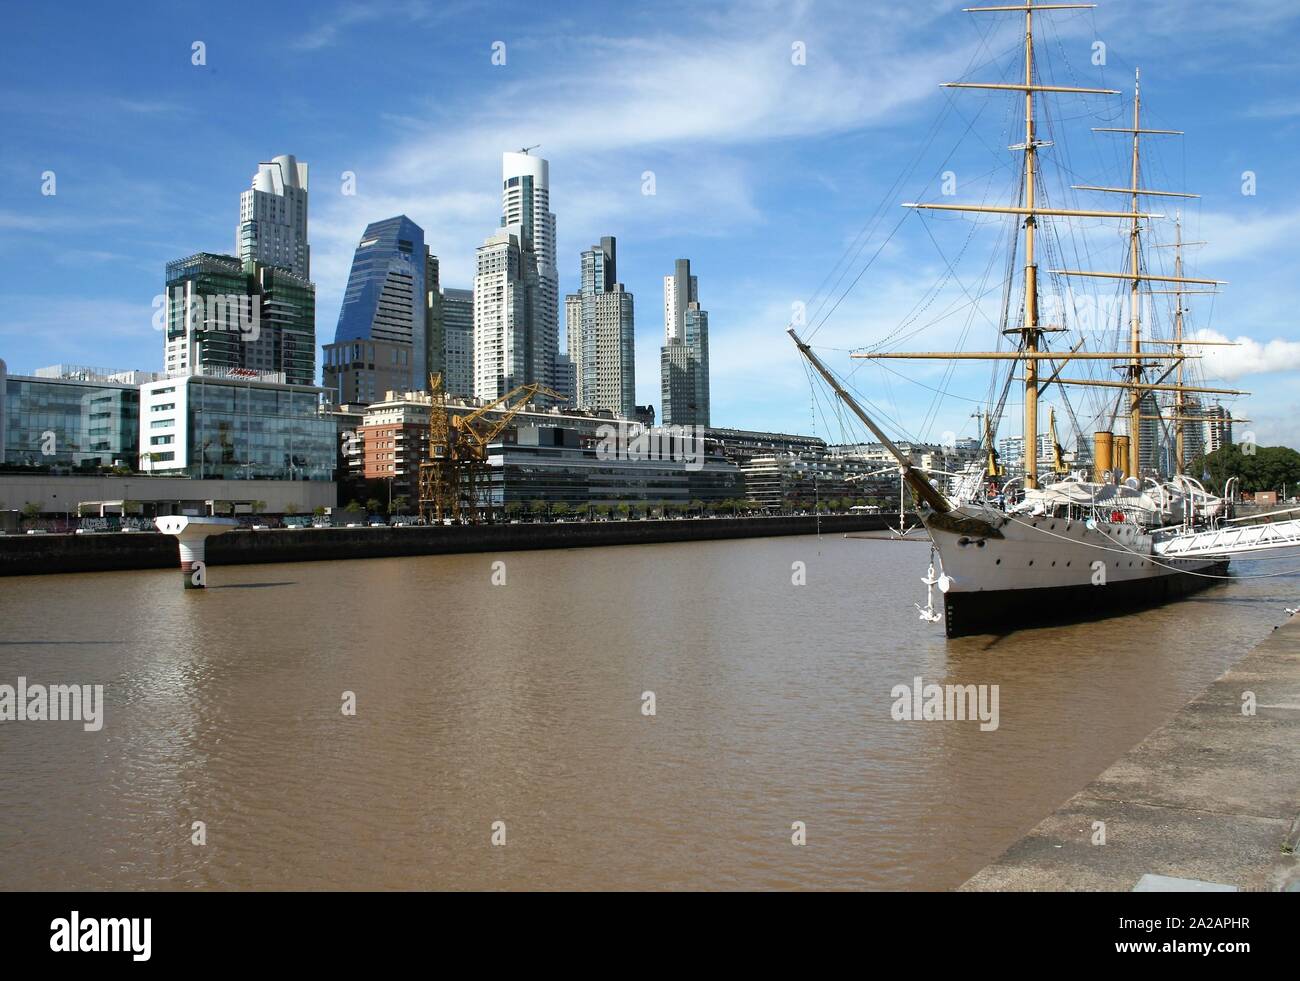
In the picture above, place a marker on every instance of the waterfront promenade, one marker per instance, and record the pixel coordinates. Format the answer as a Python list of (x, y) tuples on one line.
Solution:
[(1212, 795)]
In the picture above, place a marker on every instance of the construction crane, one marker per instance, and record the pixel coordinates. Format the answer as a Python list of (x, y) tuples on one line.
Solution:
[(451, 479)]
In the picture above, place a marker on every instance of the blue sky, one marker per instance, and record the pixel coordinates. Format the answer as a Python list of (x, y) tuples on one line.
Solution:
[(765, 171)]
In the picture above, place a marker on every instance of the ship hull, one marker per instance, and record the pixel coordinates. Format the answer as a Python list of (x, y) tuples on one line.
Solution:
[(998, 611), (1007, 571)]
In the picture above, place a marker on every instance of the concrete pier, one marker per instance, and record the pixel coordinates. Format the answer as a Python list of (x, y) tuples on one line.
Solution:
[(192, 534), (1212, 796)]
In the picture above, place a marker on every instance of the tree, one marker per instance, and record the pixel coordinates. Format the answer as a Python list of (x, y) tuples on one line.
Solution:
[(1267, 469), (624, 510), (513, 509), (31, 510), (400, 504), (257, 506), (538, 508), (373, 506), (353, 507), (318, 510), (603, 510), (560, 509), (291, 508)]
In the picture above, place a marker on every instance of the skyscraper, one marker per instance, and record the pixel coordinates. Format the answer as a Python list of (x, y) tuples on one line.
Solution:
[(684, 358), (458, 326), (388, 306), (507, 293), (599, 325), (273, 217), (526, 203), (224, 314)]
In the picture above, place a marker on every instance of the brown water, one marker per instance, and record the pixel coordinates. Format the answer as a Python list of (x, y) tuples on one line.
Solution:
[(522, 703)]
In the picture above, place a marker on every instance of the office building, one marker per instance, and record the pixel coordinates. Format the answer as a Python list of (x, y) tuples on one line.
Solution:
[(389, 303), (71, 416), (684, 357), (235, 424), (599, 326), (226, 313)]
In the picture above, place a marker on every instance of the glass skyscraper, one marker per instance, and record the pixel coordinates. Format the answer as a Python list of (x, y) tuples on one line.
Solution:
[(599, 324), (388, 301)]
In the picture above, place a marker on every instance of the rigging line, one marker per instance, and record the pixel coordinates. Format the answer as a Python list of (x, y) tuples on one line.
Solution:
[(876, 255), (899, 182)]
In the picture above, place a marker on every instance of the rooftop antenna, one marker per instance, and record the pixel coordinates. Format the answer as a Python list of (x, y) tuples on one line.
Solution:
[(525, 149)]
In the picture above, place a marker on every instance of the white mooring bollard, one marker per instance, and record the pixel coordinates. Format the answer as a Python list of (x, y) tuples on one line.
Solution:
[(191, 532)]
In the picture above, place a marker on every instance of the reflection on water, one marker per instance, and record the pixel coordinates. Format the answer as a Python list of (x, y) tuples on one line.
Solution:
[(522, 703)]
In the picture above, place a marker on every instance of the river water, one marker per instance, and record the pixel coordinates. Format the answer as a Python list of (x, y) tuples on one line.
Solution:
[(522, 703)]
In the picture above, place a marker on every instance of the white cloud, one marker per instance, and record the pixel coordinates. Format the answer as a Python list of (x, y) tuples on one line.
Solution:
[(1249, 357)]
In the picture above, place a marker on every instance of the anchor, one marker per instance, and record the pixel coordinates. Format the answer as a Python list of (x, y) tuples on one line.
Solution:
[(928, 613)]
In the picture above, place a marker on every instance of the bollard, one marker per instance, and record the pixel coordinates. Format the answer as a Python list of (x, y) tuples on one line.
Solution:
[(192, 532)]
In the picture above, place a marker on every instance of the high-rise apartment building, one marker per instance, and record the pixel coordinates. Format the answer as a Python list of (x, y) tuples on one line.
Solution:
[(526, 207), (390, 317), (684, 358), (507, 293), (273, 217), (599, 325)]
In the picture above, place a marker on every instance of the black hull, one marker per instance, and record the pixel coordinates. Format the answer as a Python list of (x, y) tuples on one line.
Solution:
[(1001, 611)]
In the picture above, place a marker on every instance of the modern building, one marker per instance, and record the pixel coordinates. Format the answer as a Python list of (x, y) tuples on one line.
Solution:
[(684, 357), (788, 480), (1217, 428), (557, 465), (69, 416), (526, 203), (566, 382), (225, 313), (458, 345), (741, 445), (507, 297), (235, 424), (273, 218), (389, 301), (600, 332)]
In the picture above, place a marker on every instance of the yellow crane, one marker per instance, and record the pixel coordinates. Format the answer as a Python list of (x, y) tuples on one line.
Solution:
[(451, 479)]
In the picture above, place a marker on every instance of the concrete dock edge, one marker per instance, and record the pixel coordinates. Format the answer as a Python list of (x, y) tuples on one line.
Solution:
[(1212, 795)]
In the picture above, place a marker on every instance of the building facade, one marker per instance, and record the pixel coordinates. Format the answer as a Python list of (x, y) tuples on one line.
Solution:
[(557, 465), (273, 218), (684, 357), (600, 332), (458, 345), (507, 295), (223, 313), (235, 425), (71, 417), (395, 438)]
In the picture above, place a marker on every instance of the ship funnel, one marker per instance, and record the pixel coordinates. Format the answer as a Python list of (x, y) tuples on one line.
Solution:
[(1102, 449), (1120, 461)]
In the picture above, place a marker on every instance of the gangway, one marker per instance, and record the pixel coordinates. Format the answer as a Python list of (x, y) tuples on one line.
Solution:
[(1241, 540)]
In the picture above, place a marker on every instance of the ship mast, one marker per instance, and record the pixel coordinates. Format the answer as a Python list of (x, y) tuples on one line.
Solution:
[(1031, 349)]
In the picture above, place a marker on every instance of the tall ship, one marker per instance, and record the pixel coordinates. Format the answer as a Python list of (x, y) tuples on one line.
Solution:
[(1049, 540)]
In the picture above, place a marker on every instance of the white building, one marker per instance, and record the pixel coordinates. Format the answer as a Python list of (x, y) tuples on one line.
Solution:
[(526, 202), (506, 293), (273, 217)]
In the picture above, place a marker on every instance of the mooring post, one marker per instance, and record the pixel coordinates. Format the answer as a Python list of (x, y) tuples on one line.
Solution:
[(191, 533)]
